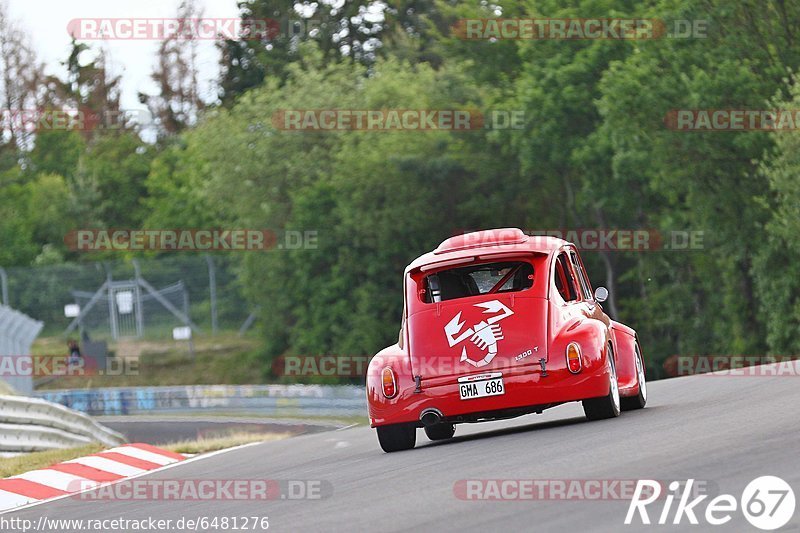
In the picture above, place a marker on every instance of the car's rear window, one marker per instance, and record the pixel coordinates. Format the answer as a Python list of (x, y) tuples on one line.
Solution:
[(501, 277)]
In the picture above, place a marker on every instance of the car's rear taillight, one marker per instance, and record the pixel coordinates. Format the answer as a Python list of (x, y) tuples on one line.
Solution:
[(574, 363), (389, 383)]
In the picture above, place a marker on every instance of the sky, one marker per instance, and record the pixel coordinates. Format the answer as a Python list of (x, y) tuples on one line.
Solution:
[(46, 23)]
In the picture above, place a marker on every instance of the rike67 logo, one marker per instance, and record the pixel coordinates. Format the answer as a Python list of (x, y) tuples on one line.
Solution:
[(767, 502)]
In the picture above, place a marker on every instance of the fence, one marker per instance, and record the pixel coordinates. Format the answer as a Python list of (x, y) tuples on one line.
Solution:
[(131, 298), (31, 424), (17, 333), (282, 400)]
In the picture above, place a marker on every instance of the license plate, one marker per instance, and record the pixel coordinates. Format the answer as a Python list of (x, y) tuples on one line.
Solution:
[(481, 386)]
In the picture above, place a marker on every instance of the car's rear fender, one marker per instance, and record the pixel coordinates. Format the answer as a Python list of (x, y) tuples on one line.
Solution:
[(397, 359), (591, 335), (625, 344)]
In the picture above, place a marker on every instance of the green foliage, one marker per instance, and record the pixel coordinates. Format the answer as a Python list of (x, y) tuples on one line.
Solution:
[(16, 226), (702, 302), (50, 200), (594, 152), (777, 265), (118, 165), (57, 152), (341, 32)]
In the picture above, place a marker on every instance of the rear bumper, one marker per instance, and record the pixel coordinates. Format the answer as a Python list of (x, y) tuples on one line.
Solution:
[(524, 392)]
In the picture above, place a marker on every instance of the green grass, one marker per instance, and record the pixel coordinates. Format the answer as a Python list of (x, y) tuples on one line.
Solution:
[(361, 420), (12, 466), (210, 444), (223, 359)]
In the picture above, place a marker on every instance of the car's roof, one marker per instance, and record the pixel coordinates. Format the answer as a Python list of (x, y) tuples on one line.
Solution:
[(487, 242)]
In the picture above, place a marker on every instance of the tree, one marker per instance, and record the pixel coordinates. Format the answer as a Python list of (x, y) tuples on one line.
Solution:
[(178, 101), (707, 301), (116, 167), (777, 265), (23, 73), (348, 30)]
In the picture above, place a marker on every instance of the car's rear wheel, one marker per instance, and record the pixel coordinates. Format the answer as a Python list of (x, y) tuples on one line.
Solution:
[(397, 437), (638, 401), (440, 431), (608, 406)]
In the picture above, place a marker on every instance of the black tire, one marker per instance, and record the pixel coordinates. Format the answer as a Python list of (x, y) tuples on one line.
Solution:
[(397, 437), (632, 403), (440, 431), (608, 406)]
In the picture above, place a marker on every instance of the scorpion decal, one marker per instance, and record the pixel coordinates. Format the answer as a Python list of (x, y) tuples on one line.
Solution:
[(485, 334)]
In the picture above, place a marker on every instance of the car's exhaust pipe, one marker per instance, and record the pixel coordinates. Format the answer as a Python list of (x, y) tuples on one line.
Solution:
[(430, 417)]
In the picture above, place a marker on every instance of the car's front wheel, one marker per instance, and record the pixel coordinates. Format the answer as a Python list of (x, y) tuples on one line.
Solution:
[(397, 437), (638, 401), (608, 406), (440, 431)]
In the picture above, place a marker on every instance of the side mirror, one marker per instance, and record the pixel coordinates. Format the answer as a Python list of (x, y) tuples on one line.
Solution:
[(601, 294)]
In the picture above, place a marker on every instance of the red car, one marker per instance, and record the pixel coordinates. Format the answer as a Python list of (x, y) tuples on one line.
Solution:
[(497, 324)]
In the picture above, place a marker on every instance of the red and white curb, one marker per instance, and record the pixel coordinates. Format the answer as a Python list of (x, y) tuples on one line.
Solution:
[(83, 473)]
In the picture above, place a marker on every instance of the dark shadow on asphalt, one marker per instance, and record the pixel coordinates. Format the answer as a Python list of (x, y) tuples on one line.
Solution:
[(534, 426)]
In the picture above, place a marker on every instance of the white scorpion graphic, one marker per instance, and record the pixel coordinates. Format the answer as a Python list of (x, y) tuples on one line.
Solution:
[(485, 334)]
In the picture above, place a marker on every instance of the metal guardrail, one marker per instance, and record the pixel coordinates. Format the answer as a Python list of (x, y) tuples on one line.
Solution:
[(284, 400), (17, 333), (33, 424)]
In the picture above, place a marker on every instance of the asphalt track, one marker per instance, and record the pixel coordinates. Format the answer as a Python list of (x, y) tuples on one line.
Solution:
[(723, 430), (166, 429)]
